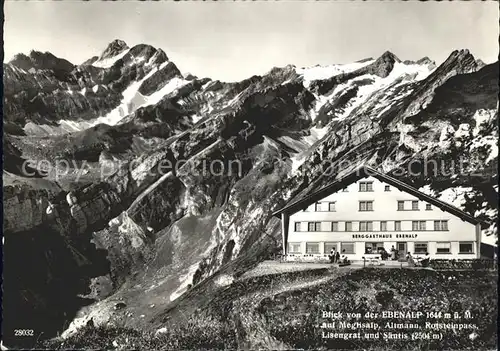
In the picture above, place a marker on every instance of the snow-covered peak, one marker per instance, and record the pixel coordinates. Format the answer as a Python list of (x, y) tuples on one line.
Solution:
[(415, 70), (113, 52), (324, 72), (109, 61), (114, 48)]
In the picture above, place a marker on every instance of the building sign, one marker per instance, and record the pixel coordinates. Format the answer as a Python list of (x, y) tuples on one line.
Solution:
[(385, 236), (381, 236)]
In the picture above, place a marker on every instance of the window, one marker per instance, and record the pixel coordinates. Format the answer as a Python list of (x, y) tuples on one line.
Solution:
[(420, 248), (414, 205), (401, 205), (294, 248), (362, 226), (331, 206), (428, 207), (464, 247), (440, 225), (335, 226), (366, 206), (421, 225), (414, 225), (365, 226), (383, 226), (397, 225), (418, 225), (348, 226), (312, 248), (348, 247), (329, 247), (314, 226), (297, 226), (443, 248), (317, 207), (387, 188), (365, 186), (373, 247)]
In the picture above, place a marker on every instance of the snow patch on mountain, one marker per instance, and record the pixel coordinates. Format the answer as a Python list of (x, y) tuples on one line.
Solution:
[(133, 99), (455, 196), (490, 143), (482, 117), (426, 189), (412, 71), (72, 126), (463, 131), (184, 281), (137, 60), (445, 137), (324, 72), (305, 143), (174, 84), (224, 280), (380, 89)]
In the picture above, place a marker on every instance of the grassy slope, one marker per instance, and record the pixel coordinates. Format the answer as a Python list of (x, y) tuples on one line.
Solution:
[(283, 311)]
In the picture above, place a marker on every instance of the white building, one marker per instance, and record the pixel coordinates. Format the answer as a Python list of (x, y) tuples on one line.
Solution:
[(367, 210)]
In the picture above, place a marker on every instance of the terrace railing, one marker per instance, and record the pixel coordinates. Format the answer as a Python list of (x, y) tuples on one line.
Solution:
[(466, 264)]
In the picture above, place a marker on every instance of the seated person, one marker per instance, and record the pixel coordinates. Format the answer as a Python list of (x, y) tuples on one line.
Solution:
[(425, 261), (383, 254), (343, 259), (410, 260)]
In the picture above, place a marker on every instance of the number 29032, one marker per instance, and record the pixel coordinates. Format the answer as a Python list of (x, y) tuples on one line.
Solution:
[(24, 332)]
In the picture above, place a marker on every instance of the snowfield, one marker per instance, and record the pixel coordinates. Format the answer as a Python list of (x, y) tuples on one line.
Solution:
[(325, 72), (110, 61)]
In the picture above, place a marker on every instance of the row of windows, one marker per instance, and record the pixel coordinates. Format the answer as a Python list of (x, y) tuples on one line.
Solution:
[(324, 206), (313, 248), (414, 206), (421, 225), (368, 186), (365, 226), (366, 205), (349, 247)]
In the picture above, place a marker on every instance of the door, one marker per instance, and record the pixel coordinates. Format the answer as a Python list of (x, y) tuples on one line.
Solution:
[(401, 247)]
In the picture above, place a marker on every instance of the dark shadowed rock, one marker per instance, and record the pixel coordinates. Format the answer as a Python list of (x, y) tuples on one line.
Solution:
[(114, 48), (383, 65), (159, 79)]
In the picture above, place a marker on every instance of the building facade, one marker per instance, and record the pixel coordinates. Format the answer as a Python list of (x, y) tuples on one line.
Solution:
[(365, 213)]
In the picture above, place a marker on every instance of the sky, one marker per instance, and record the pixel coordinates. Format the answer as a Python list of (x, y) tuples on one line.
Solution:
[(235, 40)]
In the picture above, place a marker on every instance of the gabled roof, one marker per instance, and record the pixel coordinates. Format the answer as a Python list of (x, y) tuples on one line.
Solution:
[(363, 172)]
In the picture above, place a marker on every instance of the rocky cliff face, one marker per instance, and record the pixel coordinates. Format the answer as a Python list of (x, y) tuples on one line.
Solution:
[(195, 167)]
